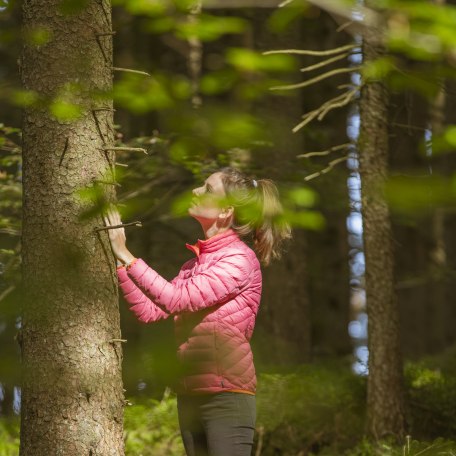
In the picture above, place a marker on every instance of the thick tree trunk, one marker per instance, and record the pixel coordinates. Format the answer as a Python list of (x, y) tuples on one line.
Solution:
[(385, 410), (72, 398)]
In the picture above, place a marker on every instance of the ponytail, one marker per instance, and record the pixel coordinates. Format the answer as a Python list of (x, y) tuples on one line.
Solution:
[(258, 212)]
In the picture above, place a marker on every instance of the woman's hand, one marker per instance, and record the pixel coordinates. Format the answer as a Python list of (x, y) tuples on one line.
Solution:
[(117, 236)]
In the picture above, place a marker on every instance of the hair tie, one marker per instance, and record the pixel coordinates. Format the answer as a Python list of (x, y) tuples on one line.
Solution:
[(255, 183)]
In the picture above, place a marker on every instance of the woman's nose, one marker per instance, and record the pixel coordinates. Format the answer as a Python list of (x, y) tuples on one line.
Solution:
[(196, 191)]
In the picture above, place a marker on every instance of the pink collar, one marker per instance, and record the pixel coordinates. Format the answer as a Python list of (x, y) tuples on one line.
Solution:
[(213, 243)]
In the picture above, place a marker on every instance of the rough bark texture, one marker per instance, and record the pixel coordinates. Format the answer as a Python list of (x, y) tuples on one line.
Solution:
[(384, 392), (72, 398)]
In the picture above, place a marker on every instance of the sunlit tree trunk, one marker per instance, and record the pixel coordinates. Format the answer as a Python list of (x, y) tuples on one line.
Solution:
[(385, 409), (72, 398)]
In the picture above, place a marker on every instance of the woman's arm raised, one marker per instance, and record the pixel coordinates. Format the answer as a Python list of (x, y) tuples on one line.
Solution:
[(143, 307), (215, 285)]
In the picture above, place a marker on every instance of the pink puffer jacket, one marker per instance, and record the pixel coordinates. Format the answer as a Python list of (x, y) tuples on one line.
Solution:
[(214, 301)]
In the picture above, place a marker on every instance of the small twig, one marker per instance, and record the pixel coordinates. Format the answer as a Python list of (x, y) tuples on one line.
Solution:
[(325, 62), (321, 111), (106, 14), (349, 97), (259, 447), (98, 126), (316, 79), (121, 164), (309, 52), (97, 37), (128, 70), (111, 227), (64, 151), (285, 3), (105, 182), (10, 231), (344, 25), (118, 340), (6, 292), (325, 152), (331, 165), (104, 109), (134, 149)]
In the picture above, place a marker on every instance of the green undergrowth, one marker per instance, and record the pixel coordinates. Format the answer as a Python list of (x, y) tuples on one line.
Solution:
[(9, 437), (309, 410)]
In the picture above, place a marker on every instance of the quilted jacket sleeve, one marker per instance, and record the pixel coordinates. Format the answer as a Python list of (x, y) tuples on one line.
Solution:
[(215, 285), (143, 307)]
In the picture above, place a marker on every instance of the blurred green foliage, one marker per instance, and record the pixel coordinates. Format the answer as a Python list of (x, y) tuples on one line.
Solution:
[(9, 436), (10, 205), (151, 428), (315, 409)]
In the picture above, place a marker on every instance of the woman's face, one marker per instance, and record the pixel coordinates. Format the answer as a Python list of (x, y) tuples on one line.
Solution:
[(207, 199)]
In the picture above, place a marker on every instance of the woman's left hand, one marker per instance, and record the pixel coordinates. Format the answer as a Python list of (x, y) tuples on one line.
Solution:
[(117, 236)]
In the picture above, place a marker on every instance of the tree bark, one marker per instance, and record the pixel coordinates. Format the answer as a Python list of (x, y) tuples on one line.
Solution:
[(72, 397), (385, 409)]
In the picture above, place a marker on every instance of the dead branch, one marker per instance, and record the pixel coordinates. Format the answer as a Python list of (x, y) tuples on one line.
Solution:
[(105, 182), (317, 78), (325, 62), (10, 231), (128, 70), (330, 166), (325, 152), (6, 292), (348, 98), (311, 52), (321, 111), (134, 149), (112, 227)]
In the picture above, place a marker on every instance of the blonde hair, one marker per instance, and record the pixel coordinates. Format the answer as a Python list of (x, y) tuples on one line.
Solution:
[(257, 212)]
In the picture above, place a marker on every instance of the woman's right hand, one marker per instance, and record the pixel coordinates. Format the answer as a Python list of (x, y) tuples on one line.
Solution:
[(117, 236)]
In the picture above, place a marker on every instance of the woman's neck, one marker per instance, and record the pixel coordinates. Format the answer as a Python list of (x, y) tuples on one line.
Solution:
[(213, 230)]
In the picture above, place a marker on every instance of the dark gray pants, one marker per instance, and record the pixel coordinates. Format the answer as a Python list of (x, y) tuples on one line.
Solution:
[(220, 424)]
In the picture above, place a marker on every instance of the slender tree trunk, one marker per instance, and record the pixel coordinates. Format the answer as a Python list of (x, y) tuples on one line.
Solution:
[(385, 410), (72, 398)]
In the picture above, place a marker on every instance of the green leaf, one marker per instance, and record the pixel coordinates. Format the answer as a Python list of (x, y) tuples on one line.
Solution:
[(302, 196), (206, 27), (24, 98), (251, 61), (148, 7), (218, 82), (378, 69), (38, 36), (64, 110)]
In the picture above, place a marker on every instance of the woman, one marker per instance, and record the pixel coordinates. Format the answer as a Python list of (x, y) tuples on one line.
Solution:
[(214, 301)]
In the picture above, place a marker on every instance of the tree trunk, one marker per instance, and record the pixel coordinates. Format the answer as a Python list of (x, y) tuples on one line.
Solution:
[(385, 410), (72, 398)]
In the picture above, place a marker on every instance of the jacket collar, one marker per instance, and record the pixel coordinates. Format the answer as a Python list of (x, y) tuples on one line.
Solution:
[(213, 243)]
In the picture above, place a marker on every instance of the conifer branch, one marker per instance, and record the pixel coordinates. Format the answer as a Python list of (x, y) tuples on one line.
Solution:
[(325, 62), (316, 79), (325, 152), (112, 227), (310, 52), (331, 165), (129, 70), (320, 112), (121, 148)]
